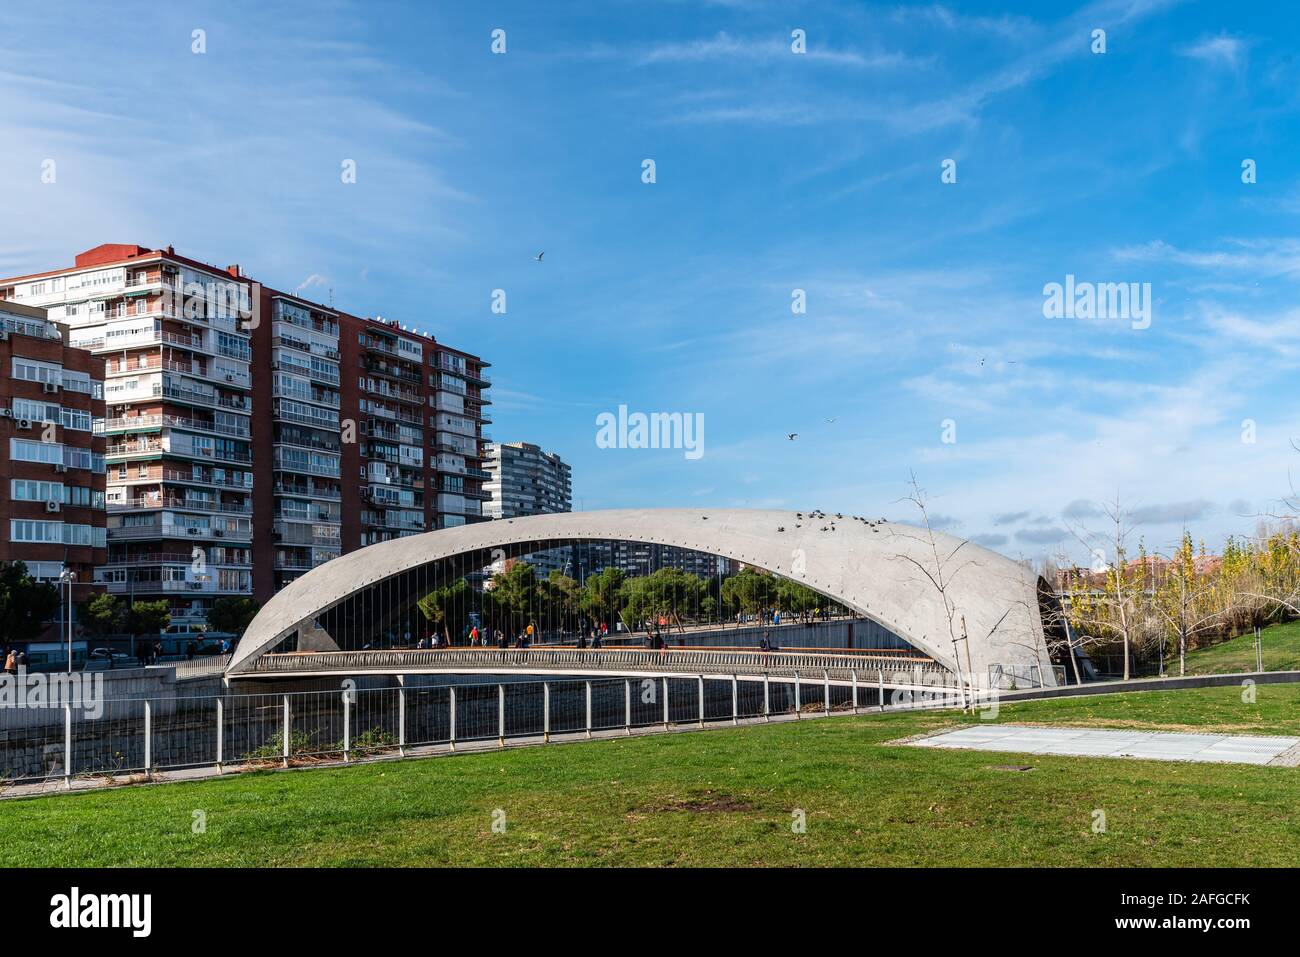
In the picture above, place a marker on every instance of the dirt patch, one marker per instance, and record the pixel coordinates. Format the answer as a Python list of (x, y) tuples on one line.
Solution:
[(707, 803)]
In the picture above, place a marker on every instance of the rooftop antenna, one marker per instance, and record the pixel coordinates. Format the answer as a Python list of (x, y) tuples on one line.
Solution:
[(331, 297)]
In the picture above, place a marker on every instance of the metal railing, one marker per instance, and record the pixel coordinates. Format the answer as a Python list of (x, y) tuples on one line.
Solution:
[(687, 660), (122, 738)]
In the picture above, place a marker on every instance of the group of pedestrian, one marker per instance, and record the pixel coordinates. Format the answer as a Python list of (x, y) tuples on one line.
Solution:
[(147, 653)]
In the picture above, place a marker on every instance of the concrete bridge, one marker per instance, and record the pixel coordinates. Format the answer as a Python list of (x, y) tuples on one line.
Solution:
[(888, 670), (985, 622)]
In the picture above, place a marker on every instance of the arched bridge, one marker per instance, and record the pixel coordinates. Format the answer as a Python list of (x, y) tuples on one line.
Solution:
[(963, 607)]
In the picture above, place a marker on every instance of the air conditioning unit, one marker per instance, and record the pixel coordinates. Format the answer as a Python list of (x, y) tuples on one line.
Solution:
[(230, 377), (193, 531), (4, 335), (50, 387), (218, 533), (60, 467), (6, 413), (24, 423), (52, 506)]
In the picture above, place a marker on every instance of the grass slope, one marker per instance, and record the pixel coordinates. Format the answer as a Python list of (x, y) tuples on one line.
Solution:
[(1281, 653), (724, 798)]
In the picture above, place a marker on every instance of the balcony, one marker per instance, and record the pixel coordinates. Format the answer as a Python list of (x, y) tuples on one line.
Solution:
[(176, 475), (138, 423), (171, 530), (308, 490), (180, 504), (307, 468), (170, 558), (196, 397)]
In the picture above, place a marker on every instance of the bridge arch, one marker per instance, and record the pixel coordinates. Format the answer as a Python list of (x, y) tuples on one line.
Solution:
[(882, 571)]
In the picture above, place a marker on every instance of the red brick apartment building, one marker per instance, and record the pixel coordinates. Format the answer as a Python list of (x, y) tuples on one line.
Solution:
[(52, 487), (266, 445)]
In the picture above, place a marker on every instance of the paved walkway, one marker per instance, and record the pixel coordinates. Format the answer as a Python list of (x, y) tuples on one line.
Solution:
[(1107, 743)]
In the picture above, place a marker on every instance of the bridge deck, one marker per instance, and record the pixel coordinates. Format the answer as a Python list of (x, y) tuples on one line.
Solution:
[(841, 665)]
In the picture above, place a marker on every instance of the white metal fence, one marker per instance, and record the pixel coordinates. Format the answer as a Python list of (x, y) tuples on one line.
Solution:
[(142, 735)]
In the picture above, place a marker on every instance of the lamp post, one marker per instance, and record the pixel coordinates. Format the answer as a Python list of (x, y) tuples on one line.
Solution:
[(67, 577)]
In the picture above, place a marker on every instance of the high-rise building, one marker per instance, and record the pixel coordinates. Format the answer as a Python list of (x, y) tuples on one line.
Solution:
[(52, 513), (526, 481), (253, 434)]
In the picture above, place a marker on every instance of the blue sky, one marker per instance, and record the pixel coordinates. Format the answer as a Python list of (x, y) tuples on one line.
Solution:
[(775, 171)]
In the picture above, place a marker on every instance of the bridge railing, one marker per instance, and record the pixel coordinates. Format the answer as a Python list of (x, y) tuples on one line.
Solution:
[(114, 740), (676, 660)]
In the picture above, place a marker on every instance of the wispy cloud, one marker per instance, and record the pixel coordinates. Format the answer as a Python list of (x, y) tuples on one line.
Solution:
[(1222, 50)]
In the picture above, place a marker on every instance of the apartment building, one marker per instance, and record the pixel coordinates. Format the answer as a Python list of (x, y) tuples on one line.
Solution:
[(253, 434), (527, 481), (52, 487)]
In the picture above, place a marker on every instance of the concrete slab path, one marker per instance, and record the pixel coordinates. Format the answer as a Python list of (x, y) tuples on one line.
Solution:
[(1113, 743)]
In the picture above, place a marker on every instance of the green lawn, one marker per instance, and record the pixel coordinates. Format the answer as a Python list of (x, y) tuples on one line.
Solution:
[(722, 797), (1281, 653)]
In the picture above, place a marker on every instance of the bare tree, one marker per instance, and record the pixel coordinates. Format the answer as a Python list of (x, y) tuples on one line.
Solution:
[(1115, 608), (940, 567)]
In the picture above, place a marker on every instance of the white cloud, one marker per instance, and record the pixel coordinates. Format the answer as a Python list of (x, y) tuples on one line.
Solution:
[(1222, 50)]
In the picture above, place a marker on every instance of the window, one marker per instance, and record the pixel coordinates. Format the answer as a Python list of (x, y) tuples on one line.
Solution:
[(75, 419), (35, 411), (27, 490), (24, 450), (32, 371), (44, 533)]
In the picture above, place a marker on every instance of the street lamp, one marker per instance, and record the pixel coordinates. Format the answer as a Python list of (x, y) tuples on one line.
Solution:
[(67, 577)]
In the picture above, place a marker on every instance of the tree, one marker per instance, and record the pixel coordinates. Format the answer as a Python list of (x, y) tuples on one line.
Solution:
[(562, 597), (102, 615), (601, 595), (1119, 607), (939, 567), (797, 598), (148, 618), (232, 614), (667, 593), (750, 591), (26, 605), (440, 605)]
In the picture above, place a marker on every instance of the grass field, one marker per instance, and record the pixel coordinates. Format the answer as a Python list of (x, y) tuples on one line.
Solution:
[(724, 797), (1281, 653)]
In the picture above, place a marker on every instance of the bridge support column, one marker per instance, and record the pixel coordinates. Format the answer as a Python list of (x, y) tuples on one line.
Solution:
[(589, 709), (701, 686), (855, 690), (501, 716), (546, 711), (285, 730), (665, 704), (798, 698), (627, 705), (451, 718), (880, 684), (221, 722), (767, 699), (735, 700), (826, 696)]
